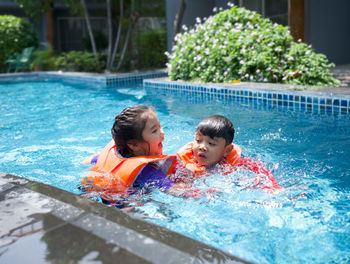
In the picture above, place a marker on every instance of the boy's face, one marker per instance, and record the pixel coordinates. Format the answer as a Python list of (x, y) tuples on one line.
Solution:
[(209, 151)]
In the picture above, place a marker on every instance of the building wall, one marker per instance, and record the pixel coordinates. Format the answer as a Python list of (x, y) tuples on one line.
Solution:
[(328, 28)]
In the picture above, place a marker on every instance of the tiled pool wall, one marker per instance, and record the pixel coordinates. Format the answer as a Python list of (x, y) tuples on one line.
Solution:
[(88, 79), (301, 101), (258, 98)]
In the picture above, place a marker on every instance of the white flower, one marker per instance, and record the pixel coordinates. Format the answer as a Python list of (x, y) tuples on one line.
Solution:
[(241, 62), (307, 52), (278, 49), (228, 59), (198, 20), (198, 68), (215, 9), (291, 58), (268, 69)]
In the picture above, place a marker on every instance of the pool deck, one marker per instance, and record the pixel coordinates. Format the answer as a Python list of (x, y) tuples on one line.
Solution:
[(43, 224)]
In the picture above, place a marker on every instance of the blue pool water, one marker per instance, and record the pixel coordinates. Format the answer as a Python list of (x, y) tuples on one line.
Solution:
[(48, 128)]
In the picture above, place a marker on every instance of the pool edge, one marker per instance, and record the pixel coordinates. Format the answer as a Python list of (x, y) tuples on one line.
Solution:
[(101, 217)]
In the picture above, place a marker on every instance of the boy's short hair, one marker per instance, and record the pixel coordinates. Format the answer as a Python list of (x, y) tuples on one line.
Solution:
[(217, 126)]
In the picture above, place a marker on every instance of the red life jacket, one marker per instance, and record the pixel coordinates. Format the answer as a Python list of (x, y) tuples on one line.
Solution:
[(264, 178), (116, 174)]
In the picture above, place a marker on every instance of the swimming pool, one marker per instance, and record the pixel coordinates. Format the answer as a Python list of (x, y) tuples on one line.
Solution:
[(48, 127)]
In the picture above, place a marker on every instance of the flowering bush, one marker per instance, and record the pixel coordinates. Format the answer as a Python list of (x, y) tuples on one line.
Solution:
[(237, 44), (15, 34)]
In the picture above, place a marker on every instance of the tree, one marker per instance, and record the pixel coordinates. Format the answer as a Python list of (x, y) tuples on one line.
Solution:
[(178, 18), (36, 8)]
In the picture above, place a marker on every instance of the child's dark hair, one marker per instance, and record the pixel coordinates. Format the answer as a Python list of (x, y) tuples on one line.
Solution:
[(217, 126), (128, 125)]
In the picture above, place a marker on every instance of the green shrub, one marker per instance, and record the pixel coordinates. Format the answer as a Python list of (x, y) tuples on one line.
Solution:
[(238, 44), (152, 48), (80, 61), (43, 58), (15, 34)]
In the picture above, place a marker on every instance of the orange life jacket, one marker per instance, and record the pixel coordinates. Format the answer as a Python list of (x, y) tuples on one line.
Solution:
[(185, 154), (115, 174)]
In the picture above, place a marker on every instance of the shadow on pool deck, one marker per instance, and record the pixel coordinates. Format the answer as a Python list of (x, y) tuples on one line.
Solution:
[(43, 224)]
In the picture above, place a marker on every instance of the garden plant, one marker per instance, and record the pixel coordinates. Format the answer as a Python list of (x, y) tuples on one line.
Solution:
[(15, 35), (238, 44)]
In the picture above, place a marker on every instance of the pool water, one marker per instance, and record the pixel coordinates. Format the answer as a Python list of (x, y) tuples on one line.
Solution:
[(48, 128)]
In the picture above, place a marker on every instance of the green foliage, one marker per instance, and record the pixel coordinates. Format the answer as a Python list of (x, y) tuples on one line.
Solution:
[(238, 44), (35, 8), (15, 35), (79, 61), (152, 46), (43, 58)]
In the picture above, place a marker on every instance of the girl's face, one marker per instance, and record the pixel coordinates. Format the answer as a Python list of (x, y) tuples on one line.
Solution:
[(152, 135)]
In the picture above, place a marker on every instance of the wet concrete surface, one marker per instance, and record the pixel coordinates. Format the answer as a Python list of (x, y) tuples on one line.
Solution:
[(43, 224)]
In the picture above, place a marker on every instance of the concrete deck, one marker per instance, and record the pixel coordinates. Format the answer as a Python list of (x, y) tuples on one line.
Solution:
[(43, 224)]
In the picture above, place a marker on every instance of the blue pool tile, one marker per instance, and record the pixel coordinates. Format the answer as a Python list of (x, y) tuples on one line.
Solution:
[(336, 102), (302, 99), (285, 97), (315, 101), (344, 103)]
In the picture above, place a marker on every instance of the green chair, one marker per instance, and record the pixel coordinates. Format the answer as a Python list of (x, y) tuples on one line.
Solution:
[(20, 61)]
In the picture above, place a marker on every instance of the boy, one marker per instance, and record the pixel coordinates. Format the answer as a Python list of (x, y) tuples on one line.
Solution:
[(213, 151), (212, 146)]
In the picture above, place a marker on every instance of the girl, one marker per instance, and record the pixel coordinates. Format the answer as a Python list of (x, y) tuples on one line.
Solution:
[(133, 158)]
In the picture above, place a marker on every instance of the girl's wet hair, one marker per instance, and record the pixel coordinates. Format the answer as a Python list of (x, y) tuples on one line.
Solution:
[(217, 126), (128, 125)]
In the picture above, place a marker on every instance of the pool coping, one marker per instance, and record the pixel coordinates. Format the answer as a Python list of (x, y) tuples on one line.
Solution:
[(114, 228), (316, 100), (313, 99)]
